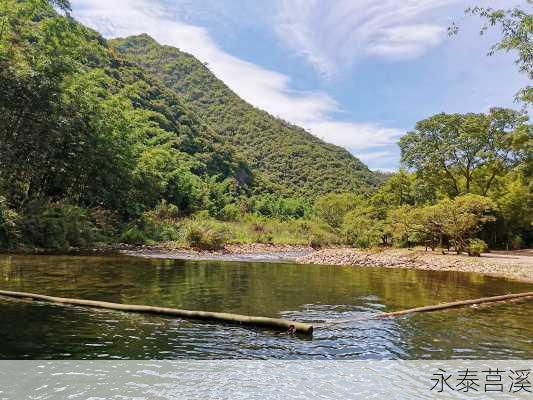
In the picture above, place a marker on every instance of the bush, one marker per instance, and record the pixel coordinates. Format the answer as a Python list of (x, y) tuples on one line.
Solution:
[(517, 242), (476, 247), (58, 226), (231, 212), (157, 225), (133, 235), (9, 233), (206, 235), (362, 228)]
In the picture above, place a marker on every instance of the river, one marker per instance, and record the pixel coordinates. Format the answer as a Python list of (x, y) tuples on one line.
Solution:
[(311, 293)]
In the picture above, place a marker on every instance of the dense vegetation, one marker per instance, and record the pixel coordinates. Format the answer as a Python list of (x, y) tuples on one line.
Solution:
[(85, 135), (140, 143), (296, 162)]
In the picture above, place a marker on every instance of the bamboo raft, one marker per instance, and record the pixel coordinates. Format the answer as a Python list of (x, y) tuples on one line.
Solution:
[(264, 322)]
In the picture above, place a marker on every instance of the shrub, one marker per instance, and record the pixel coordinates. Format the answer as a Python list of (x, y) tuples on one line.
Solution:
[(165, 211), (261, 234), (320, 234), (58, 226), (133, 235), (9, 233), (517, 242), (476, 247), (333, 207), (157, 225), (230, 212), (206, 235), (362, 228)]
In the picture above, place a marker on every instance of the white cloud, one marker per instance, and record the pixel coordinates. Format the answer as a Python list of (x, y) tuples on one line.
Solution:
[(406, 41), (340, 32), (354, 136), (261, 87)]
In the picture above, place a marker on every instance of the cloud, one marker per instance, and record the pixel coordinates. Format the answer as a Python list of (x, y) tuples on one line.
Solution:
[(406, 41), (354, 136), (263, 88), (341, 32)]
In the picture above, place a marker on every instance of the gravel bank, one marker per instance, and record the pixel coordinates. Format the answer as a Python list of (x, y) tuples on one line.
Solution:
[(234, 252), (513, 265)]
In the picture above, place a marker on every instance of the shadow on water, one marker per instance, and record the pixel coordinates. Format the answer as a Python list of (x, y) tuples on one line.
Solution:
[(300, 292)]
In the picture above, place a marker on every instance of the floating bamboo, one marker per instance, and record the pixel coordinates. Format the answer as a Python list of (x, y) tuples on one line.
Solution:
[(437, 307), (456, 304), (272, 323)]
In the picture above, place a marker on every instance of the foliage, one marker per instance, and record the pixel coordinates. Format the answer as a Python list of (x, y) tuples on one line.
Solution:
[(294, 162), (333, 207), (516, 27), (476, 247), (133, 140), (362, 228), (8, 225), (81, 126), (403, 188), (58, 226), (283, 208), (466, 153), (205, 235), (456, 221), (464, 217), (515, 212), (157, 225)]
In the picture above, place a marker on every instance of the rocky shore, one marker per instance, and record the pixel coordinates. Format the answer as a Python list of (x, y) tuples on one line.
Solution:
[(514, 265), (231, 252)]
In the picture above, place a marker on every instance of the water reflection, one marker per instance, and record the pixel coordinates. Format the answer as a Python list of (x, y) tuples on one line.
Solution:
[(308, 293)]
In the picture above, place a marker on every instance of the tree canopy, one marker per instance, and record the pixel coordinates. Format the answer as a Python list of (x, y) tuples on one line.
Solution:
[(466, 153)]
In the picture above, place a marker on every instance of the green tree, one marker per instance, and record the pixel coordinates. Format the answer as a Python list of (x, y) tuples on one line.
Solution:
[(463, 217), (362, 227), (333, 207), (403, 188), (465, 153)]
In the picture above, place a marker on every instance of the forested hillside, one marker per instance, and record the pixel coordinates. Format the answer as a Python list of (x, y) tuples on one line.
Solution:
[(297, 162), (129, 141), (82, 130)]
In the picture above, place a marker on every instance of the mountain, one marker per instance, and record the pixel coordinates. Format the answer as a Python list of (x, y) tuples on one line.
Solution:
[(293, 160), (80, 124)]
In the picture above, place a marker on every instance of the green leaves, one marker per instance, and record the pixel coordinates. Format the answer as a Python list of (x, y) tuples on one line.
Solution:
[(516, 27), (464, 153), (289, 159)]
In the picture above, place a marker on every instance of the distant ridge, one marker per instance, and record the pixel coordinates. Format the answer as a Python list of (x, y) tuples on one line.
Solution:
[(291, 160)]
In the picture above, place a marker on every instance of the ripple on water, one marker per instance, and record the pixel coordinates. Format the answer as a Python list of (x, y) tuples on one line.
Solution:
[(306, 293)]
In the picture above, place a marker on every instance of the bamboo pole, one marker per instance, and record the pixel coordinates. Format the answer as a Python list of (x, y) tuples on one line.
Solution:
[(273, 323), (437, 307), (456, 304)]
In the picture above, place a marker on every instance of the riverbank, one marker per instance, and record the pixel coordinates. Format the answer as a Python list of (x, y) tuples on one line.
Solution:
[(516, 265), (233, 252), (513, 264)]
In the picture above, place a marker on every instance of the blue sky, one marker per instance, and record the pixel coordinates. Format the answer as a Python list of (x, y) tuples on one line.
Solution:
[(357, 73)]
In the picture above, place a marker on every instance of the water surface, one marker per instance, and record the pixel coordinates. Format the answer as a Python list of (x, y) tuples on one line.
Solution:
[(34, 330)]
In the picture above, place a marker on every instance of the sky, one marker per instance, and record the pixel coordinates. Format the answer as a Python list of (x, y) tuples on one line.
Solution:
[(356, 73)]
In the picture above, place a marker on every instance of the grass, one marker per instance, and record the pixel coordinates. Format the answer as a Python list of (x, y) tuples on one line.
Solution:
[(202, 232)]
